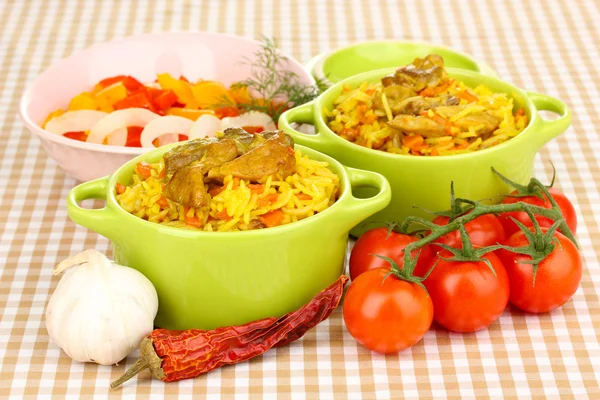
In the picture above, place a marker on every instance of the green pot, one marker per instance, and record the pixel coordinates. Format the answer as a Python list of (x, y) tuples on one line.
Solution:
[(210, 279), (333, 67), (425, 181)]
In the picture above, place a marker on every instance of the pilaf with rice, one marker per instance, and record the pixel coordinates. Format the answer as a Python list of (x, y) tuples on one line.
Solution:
[(421, 111), (235, 204)]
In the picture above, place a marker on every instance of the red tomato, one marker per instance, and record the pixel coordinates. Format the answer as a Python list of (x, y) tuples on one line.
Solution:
[(386, 316), (566, 207), (467, 296), (377, 241), (557, 278), (485, 230)]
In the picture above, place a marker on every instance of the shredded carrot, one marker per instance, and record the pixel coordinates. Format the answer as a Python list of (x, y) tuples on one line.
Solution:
[(291, 151), (120, 188), (519, 112), (462, 146), (413, 142), (256, 188), (434, 152), (215, 191), (236, 183), (193, 220), (223, 215), (370, 91), (162, 173), (144, 169), (272, 218), (439, 119), (467, 95), (163, 202), (434, 91), (303, 196), (270, 198)]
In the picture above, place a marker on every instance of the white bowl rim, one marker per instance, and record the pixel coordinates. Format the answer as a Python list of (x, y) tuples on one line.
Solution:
[(103, 148)]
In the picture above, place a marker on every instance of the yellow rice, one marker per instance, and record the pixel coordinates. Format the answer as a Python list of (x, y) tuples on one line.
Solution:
[(234, 208), (355, 118)]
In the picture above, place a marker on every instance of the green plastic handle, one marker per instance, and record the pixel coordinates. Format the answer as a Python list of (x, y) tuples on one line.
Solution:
[(549, 129), (100, 220), (303, 114), (358, 209)]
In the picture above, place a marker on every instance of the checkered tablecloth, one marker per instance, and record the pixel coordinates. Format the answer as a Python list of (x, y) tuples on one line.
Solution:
[(550, 47)]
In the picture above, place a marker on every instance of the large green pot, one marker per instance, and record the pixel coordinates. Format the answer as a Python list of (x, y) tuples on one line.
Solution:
[(425, 181), (211, 279)]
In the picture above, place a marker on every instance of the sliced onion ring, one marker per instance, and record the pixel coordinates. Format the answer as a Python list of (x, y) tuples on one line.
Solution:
[(74, 121), (206, 125), (118, 121), (252, 118), (167, 125)]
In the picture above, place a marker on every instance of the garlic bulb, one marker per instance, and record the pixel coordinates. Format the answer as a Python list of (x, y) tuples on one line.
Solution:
[(100, 311)]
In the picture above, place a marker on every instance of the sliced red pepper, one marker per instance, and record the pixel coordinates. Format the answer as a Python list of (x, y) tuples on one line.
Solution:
[(139, 99), (182, 137), (144, 169), (133, 136), (81, 136), (165, 100), (253, 129), (227, 112), (130, 83)]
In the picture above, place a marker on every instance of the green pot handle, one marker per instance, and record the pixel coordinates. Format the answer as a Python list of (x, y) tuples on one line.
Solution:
[(303, 114), (549, 129), (357, 210), (101, 220)]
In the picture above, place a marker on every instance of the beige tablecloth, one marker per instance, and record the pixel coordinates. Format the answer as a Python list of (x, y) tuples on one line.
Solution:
[(545, 46)]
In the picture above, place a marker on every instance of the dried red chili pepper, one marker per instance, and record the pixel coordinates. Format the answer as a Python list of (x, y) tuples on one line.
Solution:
[(175, 355)]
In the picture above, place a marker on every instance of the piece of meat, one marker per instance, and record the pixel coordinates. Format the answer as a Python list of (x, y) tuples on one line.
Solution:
[(180, 156), (422, 73), (419, 125), (394, 95), (187, 187), (241, 138), (270, 158), (417, 104), (488, 121)]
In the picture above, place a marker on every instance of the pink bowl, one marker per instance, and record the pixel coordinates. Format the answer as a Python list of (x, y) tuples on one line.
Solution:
[(210, 56)]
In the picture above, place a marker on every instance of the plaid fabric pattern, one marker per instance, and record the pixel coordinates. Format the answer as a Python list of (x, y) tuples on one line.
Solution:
[(545, 46)]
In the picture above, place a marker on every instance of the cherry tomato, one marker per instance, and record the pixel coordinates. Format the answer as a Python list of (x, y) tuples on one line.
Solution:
[(485, 230), (467, 296), (556, 280), (386, 316), (377, 241), (565, 205)]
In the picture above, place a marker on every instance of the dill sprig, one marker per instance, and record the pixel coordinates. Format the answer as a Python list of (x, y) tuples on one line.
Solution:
[(273, 88)]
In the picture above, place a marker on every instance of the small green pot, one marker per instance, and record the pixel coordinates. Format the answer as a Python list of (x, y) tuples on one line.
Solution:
[(210, 279), (425, 181), (333, 67)]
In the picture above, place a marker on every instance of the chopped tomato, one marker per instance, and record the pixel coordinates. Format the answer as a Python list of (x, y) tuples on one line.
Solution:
[(272, 218), (163, 202), (81, 136), (303, 196), (133, 136), (144, 169), (120, 188), (165, 100), (253, 129)]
